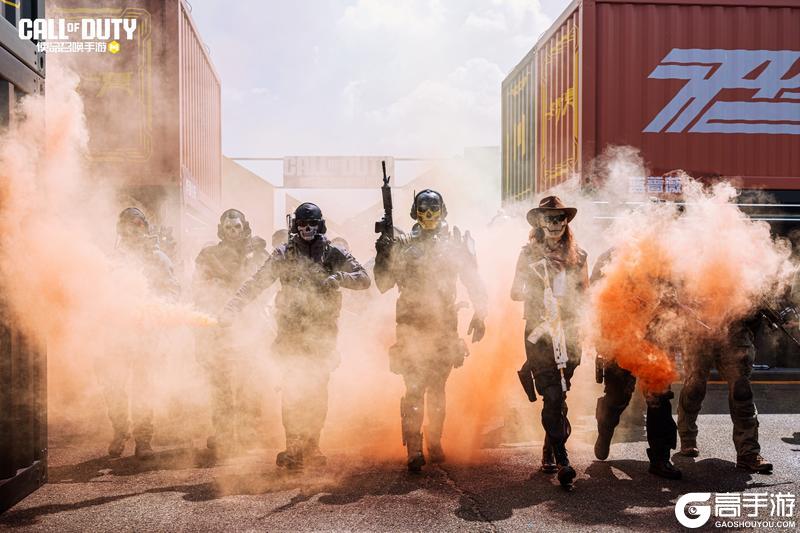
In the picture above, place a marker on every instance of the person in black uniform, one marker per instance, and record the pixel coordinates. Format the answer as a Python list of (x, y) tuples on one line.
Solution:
[(551, 278), (618, 390), (425, 265), (311, 271), (130, 360), (220, 270)]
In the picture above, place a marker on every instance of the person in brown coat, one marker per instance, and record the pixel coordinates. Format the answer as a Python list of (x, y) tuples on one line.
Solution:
[(551, 277)]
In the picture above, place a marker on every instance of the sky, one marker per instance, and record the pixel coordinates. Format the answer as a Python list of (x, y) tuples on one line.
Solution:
[(408, 78)]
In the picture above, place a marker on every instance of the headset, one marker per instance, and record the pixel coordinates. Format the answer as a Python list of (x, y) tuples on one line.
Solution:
[(417, 195)]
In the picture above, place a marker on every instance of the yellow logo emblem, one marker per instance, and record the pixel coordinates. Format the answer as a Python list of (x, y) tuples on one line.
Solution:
[(113, 47)]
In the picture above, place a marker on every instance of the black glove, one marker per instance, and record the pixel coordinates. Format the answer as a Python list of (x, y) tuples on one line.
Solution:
[(384, 246), (332, 282), (477, 328)]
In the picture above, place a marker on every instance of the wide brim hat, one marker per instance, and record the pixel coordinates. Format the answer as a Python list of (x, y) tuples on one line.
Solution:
[(550, 203)]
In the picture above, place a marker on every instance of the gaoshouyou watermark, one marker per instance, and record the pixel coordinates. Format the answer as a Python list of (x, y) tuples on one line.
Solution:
[(82, 35), (737, 509)]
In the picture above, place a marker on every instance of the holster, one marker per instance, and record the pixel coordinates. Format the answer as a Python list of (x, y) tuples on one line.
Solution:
[(599, 368), (526, 379)]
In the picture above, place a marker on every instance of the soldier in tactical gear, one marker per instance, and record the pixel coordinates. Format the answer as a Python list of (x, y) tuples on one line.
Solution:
[(551, 264), (311, 271), (220, 270), (618, 390), (733, 359), (135, 246), (425, 265)]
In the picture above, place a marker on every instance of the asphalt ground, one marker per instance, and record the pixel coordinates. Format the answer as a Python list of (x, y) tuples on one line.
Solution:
[(181, 490)]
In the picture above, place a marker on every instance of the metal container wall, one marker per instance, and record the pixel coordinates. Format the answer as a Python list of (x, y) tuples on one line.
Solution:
[(20, 63), (708, 86), (518, 127), (201, 124), (711, 89), (153, 112), (23, 365), (557, 83)]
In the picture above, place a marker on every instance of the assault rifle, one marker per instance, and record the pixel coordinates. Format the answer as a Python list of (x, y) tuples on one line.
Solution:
[(551, 322), (386, 225)]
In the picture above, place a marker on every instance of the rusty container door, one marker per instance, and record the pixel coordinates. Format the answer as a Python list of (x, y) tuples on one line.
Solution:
[(23, 365)]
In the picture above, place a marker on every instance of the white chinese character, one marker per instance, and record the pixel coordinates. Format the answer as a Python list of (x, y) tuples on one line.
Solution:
[(91, 46), (655, 184), (636, 185), (782, 504), (728, 504), (755, 501), (101, 47), (79, 46), (40, 47)]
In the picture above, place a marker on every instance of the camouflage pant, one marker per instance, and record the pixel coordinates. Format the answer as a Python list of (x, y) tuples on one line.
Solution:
[(734, 364), (619, 387), (235, 402), (118, 376), (425, 359)]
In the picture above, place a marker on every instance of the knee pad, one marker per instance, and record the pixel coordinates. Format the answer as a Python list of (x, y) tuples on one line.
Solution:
[(741, 390)]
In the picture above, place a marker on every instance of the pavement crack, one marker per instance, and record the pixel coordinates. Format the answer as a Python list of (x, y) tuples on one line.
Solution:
[(467, 499)]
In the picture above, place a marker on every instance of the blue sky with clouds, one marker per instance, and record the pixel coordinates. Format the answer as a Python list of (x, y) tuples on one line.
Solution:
[(351, 77)]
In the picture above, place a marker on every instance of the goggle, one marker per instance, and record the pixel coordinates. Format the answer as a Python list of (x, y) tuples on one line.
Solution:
[(552, 219), (304, 223), (425, 206)]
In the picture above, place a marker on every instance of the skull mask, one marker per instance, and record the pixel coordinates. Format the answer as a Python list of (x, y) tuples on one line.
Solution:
[(308, 221), (554, 224), (429, 210), (233, 226)]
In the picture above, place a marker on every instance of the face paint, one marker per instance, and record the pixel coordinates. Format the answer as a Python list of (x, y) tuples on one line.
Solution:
[(307, 229)]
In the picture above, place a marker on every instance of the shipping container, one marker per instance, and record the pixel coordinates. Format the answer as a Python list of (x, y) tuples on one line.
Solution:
[(153, 112), (23, 364), (708, 86)]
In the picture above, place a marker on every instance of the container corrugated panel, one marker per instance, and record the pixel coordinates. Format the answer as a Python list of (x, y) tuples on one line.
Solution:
[(201, 138), (711, 89), (518, 129), (20, 62), (708, 86), (558, 62)]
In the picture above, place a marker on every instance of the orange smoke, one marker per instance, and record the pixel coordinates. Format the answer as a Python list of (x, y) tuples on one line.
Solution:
[(625, 305)]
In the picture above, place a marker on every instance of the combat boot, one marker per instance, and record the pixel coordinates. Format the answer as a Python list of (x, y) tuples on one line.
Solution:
[(292, 457), (689, 448), (566, 474), (143, 450), (117, 444), (602, 446), (435, 452), (312, 455), (548, 458), (754, 463), (416, 459), (661, 466)]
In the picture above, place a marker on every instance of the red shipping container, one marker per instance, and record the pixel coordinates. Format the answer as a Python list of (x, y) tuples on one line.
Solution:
[(708, 86)]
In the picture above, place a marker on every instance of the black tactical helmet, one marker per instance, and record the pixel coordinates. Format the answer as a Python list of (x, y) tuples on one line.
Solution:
[(132, 215), (308, 211), (431, 196)]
